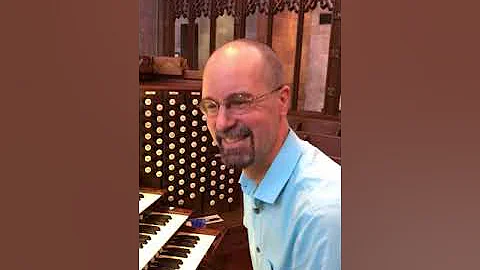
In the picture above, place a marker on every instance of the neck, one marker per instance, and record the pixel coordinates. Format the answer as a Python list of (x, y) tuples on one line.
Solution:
[(258, 170)]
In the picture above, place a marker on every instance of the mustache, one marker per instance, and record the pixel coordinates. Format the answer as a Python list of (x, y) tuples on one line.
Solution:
[(237, 131)]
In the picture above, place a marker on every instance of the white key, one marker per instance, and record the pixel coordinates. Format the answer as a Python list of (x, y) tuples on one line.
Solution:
[(147, 200)]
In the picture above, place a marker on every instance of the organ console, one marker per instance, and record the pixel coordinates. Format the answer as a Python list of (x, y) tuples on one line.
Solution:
[(181, 174)]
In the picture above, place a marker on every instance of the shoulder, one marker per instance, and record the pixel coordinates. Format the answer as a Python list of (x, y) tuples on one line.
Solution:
[(317, 181)]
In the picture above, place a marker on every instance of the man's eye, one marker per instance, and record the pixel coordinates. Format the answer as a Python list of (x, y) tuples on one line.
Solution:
[(238, 100)]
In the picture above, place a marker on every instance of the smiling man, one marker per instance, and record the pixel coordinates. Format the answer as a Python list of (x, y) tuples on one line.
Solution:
[(292, 190)]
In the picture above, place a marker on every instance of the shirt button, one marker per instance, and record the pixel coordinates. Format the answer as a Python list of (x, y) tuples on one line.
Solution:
[(258, 249), (256, 210)]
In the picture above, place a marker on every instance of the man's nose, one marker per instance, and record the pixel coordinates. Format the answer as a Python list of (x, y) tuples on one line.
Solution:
[(223, 120)]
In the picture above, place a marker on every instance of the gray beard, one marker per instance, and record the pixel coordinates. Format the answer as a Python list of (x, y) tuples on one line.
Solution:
[(239, 158)]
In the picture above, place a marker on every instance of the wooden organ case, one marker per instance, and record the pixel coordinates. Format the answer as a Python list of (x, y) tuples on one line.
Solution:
[(179, 162)]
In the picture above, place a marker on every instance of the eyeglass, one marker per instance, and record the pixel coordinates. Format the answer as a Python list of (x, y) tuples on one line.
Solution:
[(237, 103)]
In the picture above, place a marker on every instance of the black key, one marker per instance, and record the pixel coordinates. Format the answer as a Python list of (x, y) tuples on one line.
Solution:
[(166, 262), (184, 236), (155, 222), (174, 253), (162, 268), (144, 237), (149, 229), (143, 241), (177, 249), (141, 195), (184, 239), (181, 243), (160, 217)]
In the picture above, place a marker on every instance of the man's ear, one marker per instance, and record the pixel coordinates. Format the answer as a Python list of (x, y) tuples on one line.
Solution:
[(284, 99)]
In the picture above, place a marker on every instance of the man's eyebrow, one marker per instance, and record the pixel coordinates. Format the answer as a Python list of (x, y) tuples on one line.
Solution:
[(229, 96), (239, 93)]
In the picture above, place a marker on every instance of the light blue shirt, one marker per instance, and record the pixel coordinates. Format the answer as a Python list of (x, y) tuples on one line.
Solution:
[(293, 216)]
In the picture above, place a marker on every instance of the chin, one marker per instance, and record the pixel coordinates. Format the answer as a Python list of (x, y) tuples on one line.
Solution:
[(238, 162)]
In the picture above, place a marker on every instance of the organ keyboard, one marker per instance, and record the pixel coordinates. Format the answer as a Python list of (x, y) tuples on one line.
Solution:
[(162, 242), (184, 251)]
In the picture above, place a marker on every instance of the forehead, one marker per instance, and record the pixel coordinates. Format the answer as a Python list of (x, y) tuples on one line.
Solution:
[(220, 82)]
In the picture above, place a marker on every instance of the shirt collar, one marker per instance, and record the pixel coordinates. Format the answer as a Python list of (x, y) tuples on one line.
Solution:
[(278, 174)]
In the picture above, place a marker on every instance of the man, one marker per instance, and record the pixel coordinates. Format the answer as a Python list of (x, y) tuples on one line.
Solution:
[(291, 189)]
